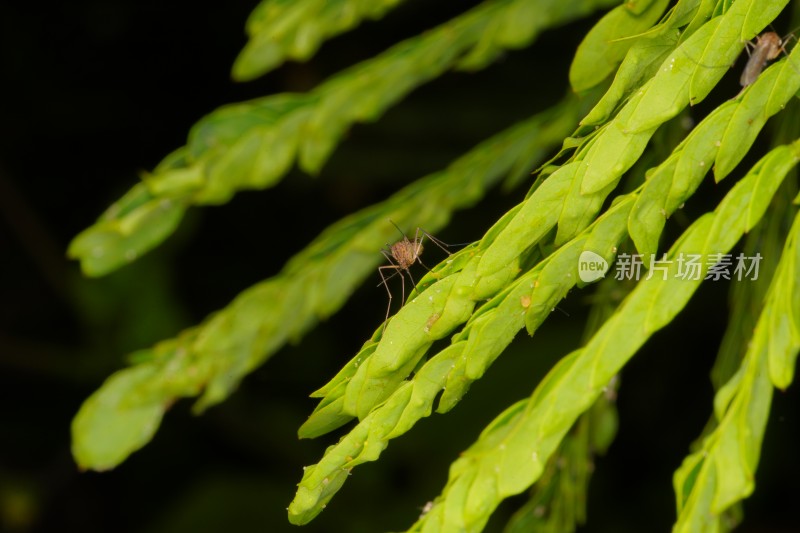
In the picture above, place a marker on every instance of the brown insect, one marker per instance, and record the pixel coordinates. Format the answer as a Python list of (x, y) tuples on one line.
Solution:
[(768, 46), (402, 255)]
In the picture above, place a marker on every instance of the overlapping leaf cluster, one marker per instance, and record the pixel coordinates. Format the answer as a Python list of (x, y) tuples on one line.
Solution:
[(483, 295)]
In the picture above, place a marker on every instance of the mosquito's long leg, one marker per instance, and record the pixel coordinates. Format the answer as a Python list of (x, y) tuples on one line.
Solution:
[(418, 249), (441, 244), (390, 276), (388, 291), (423, 264), (388, 255), (413, 284), (418, 240), (403, 287)]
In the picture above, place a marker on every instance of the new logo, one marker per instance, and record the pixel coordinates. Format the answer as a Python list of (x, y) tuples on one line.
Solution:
[(591, 266)]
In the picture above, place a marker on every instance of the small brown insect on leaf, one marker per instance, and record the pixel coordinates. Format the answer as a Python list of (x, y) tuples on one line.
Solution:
[(401, 256), (768, 46)]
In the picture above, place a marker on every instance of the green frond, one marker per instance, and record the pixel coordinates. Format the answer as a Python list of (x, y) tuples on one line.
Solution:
[(252, 145), (212, 358), (682, 79), (722, 472), (746, 299), (490, 266), (782, 316), (558, 502)]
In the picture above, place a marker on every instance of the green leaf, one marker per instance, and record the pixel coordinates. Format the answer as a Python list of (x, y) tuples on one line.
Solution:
[(607, 42), (674, 181), (647, 53), (533, 220), (614, 151), (112, 424), (127, 230), (639, 64)]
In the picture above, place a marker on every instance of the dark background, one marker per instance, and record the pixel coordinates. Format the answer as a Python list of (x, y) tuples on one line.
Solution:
[(95, 92)]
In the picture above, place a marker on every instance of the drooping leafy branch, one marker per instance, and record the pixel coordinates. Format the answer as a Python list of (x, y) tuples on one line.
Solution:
[(253, 144), (558, 501), (722, 471), (482, 296), (211, 359)]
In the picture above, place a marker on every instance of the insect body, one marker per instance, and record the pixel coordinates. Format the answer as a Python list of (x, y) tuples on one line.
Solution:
[(405, 252), (768, 46), (402, 255)]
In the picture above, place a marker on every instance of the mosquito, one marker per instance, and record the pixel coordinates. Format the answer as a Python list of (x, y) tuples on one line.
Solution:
[(401, 256), (768, 46)]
